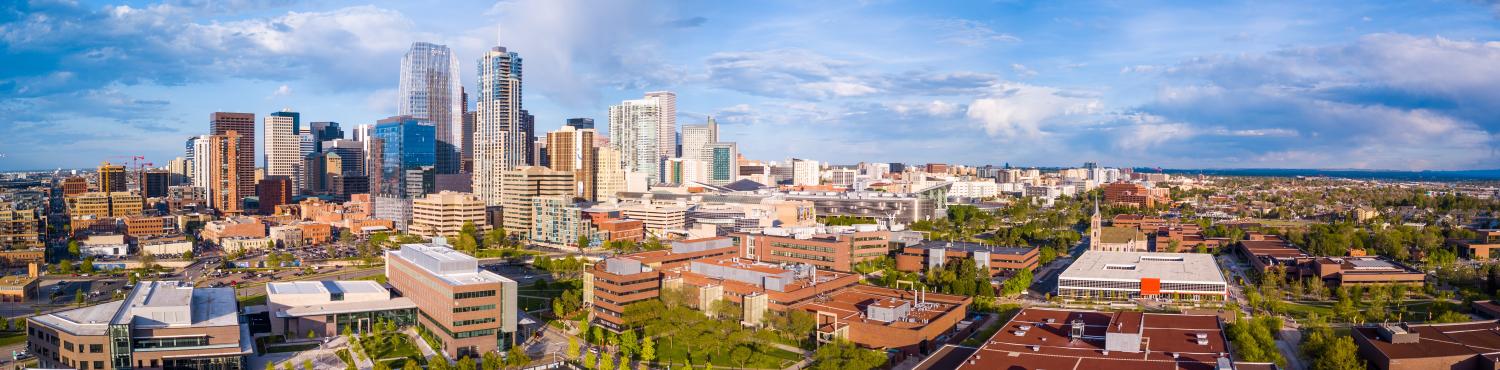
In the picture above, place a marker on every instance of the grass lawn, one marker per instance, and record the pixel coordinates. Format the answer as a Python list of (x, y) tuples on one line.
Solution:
[(1416, 311), (530, 299), (390, 345), (12, 337), (775, 359), (379, 278), (253, 300)]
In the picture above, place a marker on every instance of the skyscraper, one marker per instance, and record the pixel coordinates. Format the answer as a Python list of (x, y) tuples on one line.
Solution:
[(609, 175), (111, 178), (581, 123), (528, 135), (723, 162), (221, 123), (221, 158), (283, 146), (430, 90), (497, 144), (635, 129), (695, 138), (324, 131), (407, 144), (466, 164), (572, 150), (666, 130)]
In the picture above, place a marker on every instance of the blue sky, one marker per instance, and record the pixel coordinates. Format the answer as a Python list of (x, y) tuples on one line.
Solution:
[(1385, 85)]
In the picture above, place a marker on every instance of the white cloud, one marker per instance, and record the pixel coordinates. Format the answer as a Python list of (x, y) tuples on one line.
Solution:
[(282, 90), (973, 33), (1020, 110), (1022, 71)]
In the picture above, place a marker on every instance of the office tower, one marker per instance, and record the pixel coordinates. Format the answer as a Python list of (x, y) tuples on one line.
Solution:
[(609, 174), (695, 139), (224, 175), (686, 170), (177, 170), (572, 150), (521, 186), (111, 178), (528, 135), (202, 146), (283, 146), (274, 190), (723, 163), (324, 131), (635, 129), (581, 123), (445, 213), (431, 91), (221, 123), (468, 310), (667, 130), (497, 144), (351, 154), (324, 173), (190, 168), (362, 132), (466, 164), (407, 144), (154, 183), (543, 158), (804, 172)]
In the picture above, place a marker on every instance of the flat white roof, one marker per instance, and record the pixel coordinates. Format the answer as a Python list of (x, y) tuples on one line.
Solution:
[(1133, 266), (445, 263), (152, 304), (325, 287)]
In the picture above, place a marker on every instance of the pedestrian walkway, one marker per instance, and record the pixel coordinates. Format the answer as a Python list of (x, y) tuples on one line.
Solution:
[(427, 351)]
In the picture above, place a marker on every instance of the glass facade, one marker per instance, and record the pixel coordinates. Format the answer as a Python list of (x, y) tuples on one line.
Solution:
[(119, 346), (360, 322), (406, 144)]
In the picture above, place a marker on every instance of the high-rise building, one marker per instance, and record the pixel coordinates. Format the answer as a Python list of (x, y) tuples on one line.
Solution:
[(445, 213), (430, 90), (543, 157), (572, 150), (273, 190), (686, 170), (466, 164), (201, 165), (324, 131), (283, 146), (221, 123), (635, 129), (407, 144), (189, 166), (522, 186), (695, 138), (154, 183), (224, 177), (581, 123), (351, 153), (723, 162), (609, 174), (804, 171), (498, 146), (528, 135), (111, 178), (666, 130)]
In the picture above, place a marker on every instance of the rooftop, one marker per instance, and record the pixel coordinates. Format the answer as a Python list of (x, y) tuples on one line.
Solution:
[(324, 287), (1120, 234), (850, 304), (152, 304), (1039, 338), (971, 247), (1478, 338), (452, 266), (1133, 266)]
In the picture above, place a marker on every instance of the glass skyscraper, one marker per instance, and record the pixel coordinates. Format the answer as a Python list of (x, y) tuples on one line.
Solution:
[(431, 91), (407, 149)]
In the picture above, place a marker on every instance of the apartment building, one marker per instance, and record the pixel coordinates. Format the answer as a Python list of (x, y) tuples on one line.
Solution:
[(445, 213)]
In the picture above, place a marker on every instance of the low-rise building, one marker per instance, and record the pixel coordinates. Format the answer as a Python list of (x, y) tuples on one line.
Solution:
[(1456, 346), (19, 288), (327, 308), (243, 227), (1124, 276), (469, 310), (159, 324), (1122, 239), (658, 220), (244, 243), (611, 285), (112, 245), (902, 321), (445, 213), (830, 248), (164, 245), (1045, 338), (935, 254)]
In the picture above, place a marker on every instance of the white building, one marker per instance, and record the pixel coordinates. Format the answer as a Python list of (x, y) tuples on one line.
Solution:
[(1120, 276), (644, 132), (804, 171), (283, 147), (498, 144), (982, 188)]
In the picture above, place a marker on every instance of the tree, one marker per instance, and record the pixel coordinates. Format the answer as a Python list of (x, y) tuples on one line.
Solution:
[(189, 255), (495, 238), (437, 362), (465, 243), (307, 364), (288, 366), (134, 278), (588, 361), (517, 357), (411, 365), (583, 242), (88, 266), (148, 261), (572, 348), (73, 250), (844, 355), (606, 361), (66, 266), (648, 349), (466, 363), (629, 344), (381, 366), (78, 297), (270, 365), (311, 335)]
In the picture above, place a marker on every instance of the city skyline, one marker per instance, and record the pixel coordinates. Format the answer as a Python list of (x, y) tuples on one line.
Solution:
[(1405, 86)]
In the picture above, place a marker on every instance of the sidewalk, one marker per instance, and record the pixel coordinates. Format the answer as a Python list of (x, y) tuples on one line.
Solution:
[(427, 351)]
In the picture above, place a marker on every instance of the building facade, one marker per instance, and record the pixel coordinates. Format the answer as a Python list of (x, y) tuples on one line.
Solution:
[(497, 146), (430, 90), (159, 325), (522, 186), (445, 213), (221, 124), (469, 310)]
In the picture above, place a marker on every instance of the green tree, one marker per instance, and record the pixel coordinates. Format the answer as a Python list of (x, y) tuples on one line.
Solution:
[(78, 297), (133, 278), (466, 363), (629, 344), (606, 361), (381, 366), (495, 238), (572, 348), (88, 266), (307, 364), (288, 366), (311, 335), (73, 250), (66, 266), (588, 361), (189, 255), (517, 357), (844, 355), (583, 242), (411, 365), (465, 243), (648, 349), (270, 365), (437, 362)]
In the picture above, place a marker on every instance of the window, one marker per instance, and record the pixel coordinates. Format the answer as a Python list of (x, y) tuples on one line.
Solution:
[(99, 364), (474, 321), (482, 293), (335, 297), (473, 308), (96, 348), (68, 346), (149, 343)]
